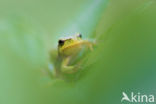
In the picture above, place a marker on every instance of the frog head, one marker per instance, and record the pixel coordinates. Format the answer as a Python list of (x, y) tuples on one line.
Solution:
[(70, 46)]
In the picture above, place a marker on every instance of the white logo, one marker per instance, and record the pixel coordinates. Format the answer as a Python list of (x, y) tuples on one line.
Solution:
[(125, 97), (137, 98)]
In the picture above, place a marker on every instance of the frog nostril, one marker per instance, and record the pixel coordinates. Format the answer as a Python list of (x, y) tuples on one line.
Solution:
[(61, 42)]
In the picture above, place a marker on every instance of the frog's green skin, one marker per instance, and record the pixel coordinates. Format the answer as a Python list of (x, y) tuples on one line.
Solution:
[(68, 49)]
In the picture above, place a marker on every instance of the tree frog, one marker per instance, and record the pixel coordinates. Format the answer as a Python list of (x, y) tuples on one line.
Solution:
[(67, 51)]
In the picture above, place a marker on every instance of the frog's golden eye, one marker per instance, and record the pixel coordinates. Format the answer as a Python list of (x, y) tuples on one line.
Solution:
[(61, 42)]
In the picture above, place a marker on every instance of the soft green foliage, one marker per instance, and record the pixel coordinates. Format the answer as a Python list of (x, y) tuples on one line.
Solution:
[(123, 59)]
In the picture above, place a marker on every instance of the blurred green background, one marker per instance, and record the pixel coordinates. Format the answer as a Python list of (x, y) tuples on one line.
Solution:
[(124, 59)]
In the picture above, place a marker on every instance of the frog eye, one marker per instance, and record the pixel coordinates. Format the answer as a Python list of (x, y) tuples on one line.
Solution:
[(61, 42), (80, 35)]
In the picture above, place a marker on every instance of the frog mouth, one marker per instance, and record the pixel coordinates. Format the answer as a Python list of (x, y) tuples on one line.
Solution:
[(73, 45)]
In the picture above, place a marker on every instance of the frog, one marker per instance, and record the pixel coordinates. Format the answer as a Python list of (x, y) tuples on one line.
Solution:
[(68, 49)]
